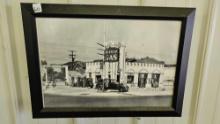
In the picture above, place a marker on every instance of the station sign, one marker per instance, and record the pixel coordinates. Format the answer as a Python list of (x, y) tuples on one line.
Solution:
[(111, 54)]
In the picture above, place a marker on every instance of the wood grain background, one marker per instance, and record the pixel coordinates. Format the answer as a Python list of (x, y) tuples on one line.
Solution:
[(202, 94)]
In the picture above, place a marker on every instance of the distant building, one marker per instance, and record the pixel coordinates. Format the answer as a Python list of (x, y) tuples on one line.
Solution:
[(136, 74), (54, 74)]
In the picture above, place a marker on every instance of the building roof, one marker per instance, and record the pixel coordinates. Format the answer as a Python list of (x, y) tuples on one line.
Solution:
[(145, 60), (170, 65), (78, 66)]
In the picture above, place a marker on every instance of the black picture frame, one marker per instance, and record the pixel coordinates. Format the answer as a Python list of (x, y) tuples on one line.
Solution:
[(185, 15)]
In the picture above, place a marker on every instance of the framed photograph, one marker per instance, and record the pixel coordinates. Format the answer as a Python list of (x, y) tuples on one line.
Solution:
[(106, 61)]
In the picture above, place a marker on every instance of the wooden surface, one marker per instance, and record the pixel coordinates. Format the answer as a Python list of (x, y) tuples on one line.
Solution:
[(202, 94)]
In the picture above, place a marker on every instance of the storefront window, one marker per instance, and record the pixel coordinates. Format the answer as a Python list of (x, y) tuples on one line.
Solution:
[(118, 78), (90, 74), (98, 78), (142, 80), (155, 80), (130, 79)]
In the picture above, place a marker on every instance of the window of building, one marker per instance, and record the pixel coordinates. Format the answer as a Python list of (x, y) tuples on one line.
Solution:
[(142, 80), (98, 78), (130, 79), (118, 78), (109, 78), (90, 74), (155, 80)]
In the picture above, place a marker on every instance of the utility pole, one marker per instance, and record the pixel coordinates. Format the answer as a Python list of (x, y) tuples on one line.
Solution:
[(72, 55), (102, 50)]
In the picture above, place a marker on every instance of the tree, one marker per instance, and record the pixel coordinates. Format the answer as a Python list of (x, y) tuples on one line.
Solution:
[(50, 73), (43, 62)]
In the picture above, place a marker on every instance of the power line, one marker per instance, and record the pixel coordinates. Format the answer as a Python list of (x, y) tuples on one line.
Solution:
[(100, 44)]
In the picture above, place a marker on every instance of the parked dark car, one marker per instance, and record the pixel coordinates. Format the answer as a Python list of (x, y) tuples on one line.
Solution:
[(99, 85), (89, 83), (111, 85)]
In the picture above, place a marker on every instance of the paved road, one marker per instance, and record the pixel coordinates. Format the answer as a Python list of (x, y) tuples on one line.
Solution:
[(52, 100), (78, 91), (87, 97)]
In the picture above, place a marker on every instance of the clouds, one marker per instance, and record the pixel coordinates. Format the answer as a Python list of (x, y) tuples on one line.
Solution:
[(158, 39)]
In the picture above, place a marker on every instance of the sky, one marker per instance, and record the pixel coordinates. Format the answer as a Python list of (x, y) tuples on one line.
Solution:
[(153, 38)]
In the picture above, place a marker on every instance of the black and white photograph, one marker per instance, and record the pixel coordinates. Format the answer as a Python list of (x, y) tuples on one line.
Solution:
[(105, 60), (104, 63)]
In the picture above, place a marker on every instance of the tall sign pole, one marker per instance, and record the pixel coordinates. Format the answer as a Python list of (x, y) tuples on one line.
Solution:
[(122, 63)]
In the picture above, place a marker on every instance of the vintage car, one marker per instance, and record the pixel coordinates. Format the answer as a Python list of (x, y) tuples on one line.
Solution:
[(89, 83), (108, 85)]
